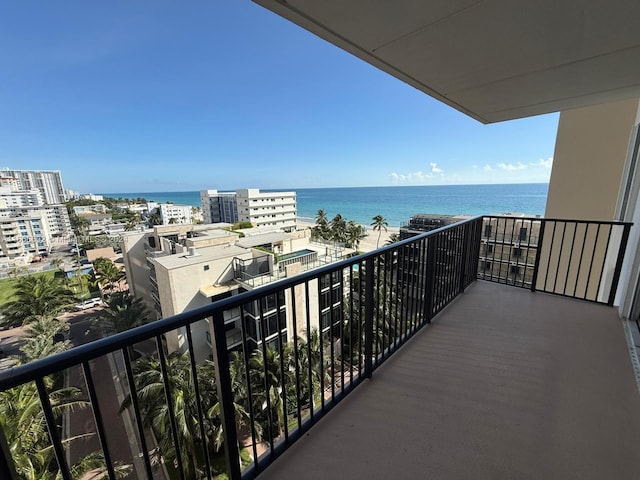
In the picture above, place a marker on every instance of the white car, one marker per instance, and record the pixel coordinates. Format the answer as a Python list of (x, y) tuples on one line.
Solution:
[(86, 304)]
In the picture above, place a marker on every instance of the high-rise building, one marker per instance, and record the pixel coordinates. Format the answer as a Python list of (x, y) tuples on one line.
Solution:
[(49, 182)]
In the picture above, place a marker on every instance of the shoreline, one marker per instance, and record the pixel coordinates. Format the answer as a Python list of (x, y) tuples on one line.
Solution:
[(367, 244)]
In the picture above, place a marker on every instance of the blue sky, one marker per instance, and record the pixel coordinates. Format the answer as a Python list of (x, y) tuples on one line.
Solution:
[(171, 96)]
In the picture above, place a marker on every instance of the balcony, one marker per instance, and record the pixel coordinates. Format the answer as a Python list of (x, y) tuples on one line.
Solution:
[(468, 378)]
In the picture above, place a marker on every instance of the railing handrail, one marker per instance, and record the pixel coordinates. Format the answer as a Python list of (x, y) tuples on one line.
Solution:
[(569, 220), (21, 374)]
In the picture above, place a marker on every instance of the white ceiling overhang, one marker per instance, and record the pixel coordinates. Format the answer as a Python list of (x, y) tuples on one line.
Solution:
[(494, 60)]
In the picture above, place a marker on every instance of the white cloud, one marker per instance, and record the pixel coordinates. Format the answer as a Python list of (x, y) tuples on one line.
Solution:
[(511, 167), (410, 178), (548, 163), (474, 166), (434, 168), (487, 168)]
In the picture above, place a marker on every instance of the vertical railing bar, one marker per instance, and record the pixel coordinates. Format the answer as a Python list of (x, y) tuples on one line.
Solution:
[(560, 256), (439, 274), (247, 369), (309, 353), (296, 357), (526, 258), (595, 244), (495, 245), (331, 338), (422, 278), (361, 320), (265, 366), (604, 263), (225, 396), (351, 325), (404, 304), (7, 468), (415, 265), (368, 318), (97, 417), (136, 410), (283, 379), (573, 243), (419, 283), (409, 261), (172, 416), (538, 251), (341, 316), (52, 428), (321, 334), (196, 391), (511, 248), (429, 287), (383, 275), (378, 335), (395, 310), (553, 237), (399, 268), (464, 254), (618, 268), (584, 241)]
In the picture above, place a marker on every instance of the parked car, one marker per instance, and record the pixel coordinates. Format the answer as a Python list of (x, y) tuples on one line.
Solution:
[(90, 303)]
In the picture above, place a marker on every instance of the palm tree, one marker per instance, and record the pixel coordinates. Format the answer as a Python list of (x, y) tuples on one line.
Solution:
[(22, 418), (339, 228), (36, 296), (393, 238), (123, 312), (354, 234), (321, 229), (155, 412), (379, 223), (58, 263), (108, 274)]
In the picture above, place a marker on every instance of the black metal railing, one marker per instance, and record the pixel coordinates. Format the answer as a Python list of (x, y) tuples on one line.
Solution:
[(152, 403), (574, 258)]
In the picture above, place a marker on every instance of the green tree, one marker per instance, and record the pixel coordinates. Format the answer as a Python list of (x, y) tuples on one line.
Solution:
[(107, 273), (393, 238), (339, 229), (122, 312), (155, 413), (379, 223), (354, 234), (22, 418), (36, 297), (321, 230)]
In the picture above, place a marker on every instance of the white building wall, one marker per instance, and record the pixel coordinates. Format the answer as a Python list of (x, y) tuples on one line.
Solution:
[(181, 213)]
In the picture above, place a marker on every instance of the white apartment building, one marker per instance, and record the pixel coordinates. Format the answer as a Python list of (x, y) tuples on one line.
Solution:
[(49, 182), (262, 209), (22, 237), (11, 197), (175, 214)]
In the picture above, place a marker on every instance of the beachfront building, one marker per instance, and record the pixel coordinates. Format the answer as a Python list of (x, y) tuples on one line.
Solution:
[(261, 209), (49, 182), (171, 213), (424, 222)]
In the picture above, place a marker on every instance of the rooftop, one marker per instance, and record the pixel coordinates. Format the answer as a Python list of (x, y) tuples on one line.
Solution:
[(206, 254)]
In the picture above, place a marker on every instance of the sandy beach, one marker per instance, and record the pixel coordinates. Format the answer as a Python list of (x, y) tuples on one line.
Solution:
[(366, 244)]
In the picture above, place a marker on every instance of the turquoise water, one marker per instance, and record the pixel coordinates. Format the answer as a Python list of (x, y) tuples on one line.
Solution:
[(397, 204)]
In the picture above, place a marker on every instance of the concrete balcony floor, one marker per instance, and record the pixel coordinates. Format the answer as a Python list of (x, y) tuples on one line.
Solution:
[(504, 384)]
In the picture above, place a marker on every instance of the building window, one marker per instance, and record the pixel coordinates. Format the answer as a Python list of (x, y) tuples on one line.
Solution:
[(515, 269), (517, 252), (489, 248), (206, 267), (487, 230), (487, 265)]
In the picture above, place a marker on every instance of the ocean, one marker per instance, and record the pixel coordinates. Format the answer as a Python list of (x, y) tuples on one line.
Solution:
[(396, 204)]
